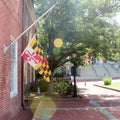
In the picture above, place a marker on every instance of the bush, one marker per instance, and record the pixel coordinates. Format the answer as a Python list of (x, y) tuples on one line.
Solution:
[(63, 87), (107, 80), (42, 84)]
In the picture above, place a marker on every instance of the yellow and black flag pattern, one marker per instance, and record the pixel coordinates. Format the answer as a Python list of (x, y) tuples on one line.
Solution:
[(42, 67)]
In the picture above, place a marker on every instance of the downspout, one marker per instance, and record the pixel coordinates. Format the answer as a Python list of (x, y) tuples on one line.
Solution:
[(22, 48)]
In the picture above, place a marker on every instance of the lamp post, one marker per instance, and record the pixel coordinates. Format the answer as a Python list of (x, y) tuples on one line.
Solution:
[(74, 76)]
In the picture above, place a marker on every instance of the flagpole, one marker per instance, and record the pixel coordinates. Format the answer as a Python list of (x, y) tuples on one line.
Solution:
[(5, 48)]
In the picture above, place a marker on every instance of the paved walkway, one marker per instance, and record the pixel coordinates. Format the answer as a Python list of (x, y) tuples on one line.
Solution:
[(23, 115), (96, 104)]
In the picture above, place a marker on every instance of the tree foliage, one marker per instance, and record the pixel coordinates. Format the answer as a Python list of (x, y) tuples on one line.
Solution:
[(85, 26)]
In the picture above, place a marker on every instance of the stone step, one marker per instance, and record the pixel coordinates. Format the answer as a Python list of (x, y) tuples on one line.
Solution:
[(98, 70)]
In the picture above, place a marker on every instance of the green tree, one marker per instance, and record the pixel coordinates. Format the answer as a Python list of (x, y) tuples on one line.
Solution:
[(84, 26)]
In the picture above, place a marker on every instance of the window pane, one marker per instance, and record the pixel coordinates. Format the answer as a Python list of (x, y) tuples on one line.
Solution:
[(12, 76), (13, 70), (13, 52)]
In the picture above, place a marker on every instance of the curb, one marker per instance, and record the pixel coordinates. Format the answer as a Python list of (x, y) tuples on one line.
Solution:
[(107, 87)]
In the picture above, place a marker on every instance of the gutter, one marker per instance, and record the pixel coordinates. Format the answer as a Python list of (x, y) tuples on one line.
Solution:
[(22, 48)]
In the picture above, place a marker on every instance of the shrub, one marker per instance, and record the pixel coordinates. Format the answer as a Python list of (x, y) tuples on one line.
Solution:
[(62, 87), (42, 84), (107, 80)]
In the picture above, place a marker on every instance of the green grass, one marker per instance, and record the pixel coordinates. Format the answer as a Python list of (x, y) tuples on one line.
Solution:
[(114, 85)]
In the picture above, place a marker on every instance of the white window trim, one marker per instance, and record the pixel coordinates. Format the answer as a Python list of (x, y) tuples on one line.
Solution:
[(15, 91)]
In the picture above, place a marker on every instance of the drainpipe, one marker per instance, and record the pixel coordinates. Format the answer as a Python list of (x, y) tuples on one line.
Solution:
[(22, 48)]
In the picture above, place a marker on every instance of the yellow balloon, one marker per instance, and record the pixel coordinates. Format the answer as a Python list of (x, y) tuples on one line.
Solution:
[(58, 42)]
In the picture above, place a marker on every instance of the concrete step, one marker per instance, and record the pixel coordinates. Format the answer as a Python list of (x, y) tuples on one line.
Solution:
[(98, 71)]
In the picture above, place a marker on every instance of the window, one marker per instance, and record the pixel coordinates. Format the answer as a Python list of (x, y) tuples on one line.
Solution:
[(26, 72), (13, 69)]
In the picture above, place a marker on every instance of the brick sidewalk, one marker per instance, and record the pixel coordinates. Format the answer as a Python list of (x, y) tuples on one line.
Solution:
[(96, 104), (73, 109), (24, 115), (68, 109)]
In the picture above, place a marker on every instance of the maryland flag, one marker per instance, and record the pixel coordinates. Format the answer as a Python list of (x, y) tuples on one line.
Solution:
[(33, 54)]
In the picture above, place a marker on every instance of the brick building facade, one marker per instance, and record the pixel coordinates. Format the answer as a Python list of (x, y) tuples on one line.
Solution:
[(15, 75)]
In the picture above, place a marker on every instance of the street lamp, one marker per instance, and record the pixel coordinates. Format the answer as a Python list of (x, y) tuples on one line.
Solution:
[(73, 72)]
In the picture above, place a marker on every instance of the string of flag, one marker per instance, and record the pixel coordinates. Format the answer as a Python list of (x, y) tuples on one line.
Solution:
[(34, 55)]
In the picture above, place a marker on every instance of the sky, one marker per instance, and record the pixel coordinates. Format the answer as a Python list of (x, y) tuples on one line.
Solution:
[(117, 18)]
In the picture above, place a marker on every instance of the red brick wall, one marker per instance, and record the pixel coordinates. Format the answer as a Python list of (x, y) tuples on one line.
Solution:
[(10, 24)]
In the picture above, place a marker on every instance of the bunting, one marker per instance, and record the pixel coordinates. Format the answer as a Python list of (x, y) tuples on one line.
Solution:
[(34, 55)]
